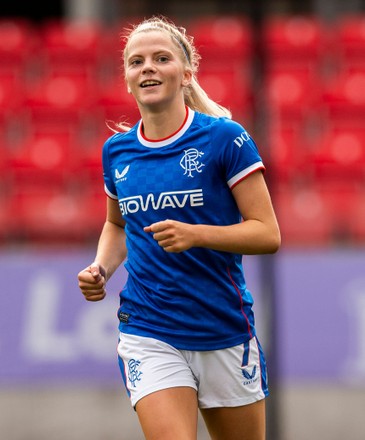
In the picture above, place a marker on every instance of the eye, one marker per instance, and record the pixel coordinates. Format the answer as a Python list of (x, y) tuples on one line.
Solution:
[(135, 62), (163, 59)]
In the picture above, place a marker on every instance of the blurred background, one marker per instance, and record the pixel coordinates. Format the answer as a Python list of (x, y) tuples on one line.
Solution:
[(293, 73)]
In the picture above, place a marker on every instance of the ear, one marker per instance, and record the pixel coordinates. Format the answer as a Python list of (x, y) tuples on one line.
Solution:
[(187, 77)]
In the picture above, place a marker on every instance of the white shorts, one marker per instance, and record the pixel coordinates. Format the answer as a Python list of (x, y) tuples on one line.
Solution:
[(229, 377)]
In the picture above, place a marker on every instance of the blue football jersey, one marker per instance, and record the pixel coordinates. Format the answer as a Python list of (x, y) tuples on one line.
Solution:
[(196, 299)]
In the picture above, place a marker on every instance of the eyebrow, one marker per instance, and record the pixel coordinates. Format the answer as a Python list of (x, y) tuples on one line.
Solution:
[(157, 52)]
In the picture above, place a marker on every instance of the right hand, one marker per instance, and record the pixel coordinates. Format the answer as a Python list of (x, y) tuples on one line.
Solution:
[(92, 282)]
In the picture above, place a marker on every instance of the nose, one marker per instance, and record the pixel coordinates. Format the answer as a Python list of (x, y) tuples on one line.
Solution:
[(148, 66)]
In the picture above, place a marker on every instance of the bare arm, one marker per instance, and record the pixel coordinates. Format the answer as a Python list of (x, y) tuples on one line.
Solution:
[(111, 250), (258, 234), (110, 254)]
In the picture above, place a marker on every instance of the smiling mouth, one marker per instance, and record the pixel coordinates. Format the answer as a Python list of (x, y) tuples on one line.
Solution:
[(150, 83)]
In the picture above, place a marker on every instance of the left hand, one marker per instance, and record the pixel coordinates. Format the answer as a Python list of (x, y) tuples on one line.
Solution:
[(171, 235)]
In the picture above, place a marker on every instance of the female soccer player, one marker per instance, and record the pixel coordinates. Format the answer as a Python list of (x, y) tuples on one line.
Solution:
[(186, 199)]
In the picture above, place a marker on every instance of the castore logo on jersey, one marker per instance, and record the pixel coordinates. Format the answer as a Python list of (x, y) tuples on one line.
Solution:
[(120, 177)]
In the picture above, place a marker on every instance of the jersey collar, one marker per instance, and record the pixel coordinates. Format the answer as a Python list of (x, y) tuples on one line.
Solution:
[(170, 139)]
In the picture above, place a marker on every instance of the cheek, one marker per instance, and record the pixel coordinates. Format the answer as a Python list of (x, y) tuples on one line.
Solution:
[(130, 82), (176, 79)]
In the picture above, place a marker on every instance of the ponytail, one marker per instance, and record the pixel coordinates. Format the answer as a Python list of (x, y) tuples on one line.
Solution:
[(197, 99)]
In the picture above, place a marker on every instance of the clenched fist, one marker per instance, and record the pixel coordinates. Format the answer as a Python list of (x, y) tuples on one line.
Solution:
[(92, 282)]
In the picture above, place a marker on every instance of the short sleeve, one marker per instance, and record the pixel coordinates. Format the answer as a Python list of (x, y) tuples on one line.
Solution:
[(109, 185), (237, 151)]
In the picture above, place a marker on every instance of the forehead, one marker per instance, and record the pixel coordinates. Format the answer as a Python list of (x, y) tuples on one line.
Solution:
[(149, 41)]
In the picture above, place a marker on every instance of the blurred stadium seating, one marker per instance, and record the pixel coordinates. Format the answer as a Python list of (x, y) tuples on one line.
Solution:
[(61, 81), (314, 82)]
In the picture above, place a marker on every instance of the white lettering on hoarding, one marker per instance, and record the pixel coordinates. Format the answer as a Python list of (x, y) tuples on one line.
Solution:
[(92, 333)]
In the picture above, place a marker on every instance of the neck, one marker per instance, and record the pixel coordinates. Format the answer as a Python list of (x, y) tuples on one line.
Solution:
[(160, 125)]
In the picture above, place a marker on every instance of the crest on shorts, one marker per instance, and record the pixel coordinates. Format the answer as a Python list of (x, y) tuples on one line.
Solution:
[(134, 375)]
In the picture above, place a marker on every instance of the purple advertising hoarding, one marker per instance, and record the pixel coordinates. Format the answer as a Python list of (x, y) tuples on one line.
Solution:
[(48, 330), (322, 316), (49, 333)]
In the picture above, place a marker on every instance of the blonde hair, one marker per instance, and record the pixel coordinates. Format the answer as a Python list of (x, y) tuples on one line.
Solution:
[(195, 96)]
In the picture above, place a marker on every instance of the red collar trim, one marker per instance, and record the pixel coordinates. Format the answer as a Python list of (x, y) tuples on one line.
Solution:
[(171, 135)]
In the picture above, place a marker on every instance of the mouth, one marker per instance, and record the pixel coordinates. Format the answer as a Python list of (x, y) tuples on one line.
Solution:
[(150, 83)]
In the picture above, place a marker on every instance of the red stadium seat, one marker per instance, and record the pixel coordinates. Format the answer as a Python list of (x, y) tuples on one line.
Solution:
[(298, 41), (59, 98), (4, 156), (11, 93), (94, 208), (344, 98), (48, 214), (287, 158), (18, 42), (357, 217), (226, 38), (57, 214), (292, 93), (44, 157), (115, 103), (89, 167), (346, 202), (72, 46), (303, 215), (321, 214), (339, 153), (5, 215), (349, 41)]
